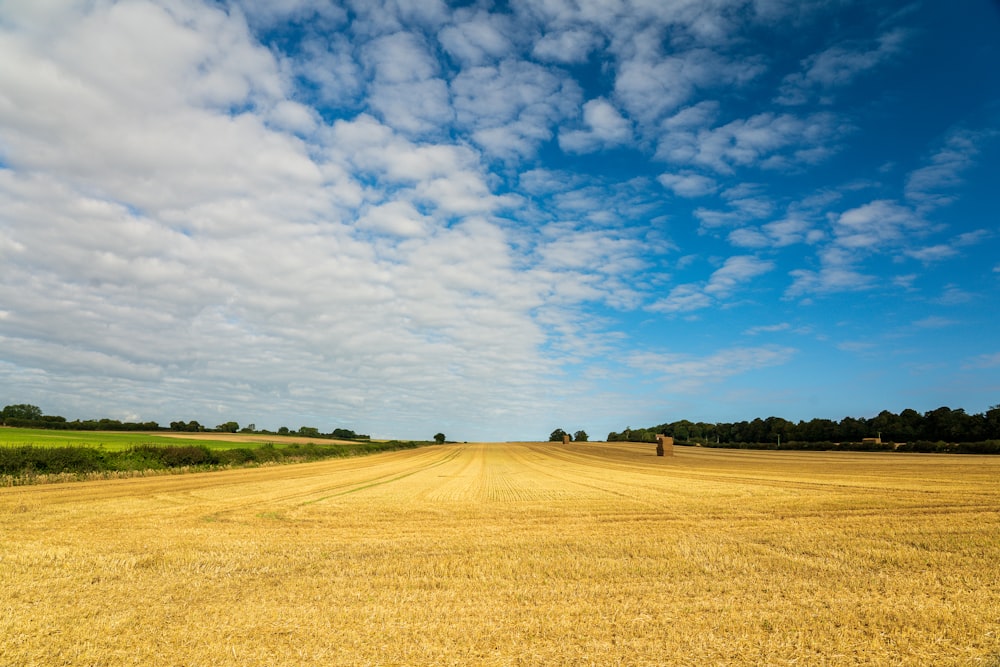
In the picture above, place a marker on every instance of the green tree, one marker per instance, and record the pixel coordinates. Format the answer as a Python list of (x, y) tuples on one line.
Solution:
[(439, 438), (228, 427), (992, 423), (21, 411), (557, 435), (580, 436)]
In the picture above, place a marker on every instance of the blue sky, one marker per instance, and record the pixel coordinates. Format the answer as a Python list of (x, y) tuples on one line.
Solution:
[(498, 219)]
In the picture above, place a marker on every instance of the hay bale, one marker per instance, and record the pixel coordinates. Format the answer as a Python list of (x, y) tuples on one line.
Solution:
[(664, 445)]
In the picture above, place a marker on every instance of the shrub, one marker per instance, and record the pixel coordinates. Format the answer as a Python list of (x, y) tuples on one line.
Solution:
[(46, 460), (237, 456), (178, 456)]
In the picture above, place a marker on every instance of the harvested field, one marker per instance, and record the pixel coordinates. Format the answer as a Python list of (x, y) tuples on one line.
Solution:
[(513, 554)]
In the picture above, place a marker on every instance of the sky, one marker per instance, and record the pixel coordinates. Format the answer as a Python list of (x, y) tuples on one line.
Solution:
[(495, 219)]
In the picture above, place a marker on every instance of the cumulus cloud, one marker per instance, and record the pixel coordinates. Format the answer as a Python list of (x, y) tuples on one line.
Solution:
[(511, 108), (651, 87), (407, 91), (688, 184), (605, 127), (476, 37), (765, 140)]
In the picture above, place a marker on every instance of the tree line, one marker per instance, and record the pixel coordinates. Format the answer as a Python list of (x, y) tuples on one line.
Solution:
[(943, 429), (24, 415)]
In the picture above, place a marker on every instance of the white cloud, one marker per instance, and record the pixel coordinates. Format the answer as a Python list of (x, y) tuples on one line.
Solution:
[(856, 346), (511, 108), (945, 170), (736, 271), (565, 46), (768, 328), (933, 253), (828, 280), (776, 234), (748, 237), (765, 140), (328, 63), (953, 295), (683, 298), (839, 66), (688, 184), (293, 117), (400, 218), (477, 37), (380, 17), (690, 372), (269, 13), (651, 87), (876, 226), (934, 322), (407, 91), (983, 361), (722, 284), (605, 128)]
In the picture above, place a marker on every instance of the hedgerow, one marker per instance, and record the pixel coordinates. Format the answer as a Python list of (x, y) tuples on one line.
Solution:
[(26, 463)]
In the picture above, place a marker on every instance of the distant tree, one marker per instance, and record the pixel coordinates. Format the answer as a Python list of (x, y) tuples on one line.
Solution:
[(580, 436), (192, 426), (21, 411), (439, 438), (252, 428), (992, 423), (309, 431), (557, 435), (228, 427), (283, 430)]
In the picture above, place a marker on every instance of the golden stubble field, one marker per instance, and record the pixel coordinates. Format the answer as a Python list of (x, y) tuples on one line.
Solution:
[(513, 554)]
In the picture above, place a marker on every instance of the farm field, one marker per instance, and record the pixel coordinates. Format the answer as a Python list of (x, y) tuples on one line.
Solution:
[(513, 554)]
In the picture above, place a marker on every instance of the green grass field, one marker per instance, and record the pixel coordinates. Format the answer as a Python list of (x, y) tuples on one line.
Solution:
[(111, 441)]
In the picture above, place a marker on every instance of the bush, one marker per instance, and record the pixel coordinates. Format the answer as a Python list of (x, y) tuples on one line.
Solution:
[(26, 462), (238, 456), (178, 457), (50, 460)]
